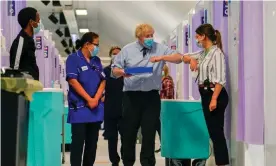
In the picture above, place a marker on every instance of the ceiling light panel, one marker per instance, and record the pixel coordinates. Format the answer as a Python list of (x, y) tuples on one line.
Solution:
[(81, 12), (84, 30), (71, 21)]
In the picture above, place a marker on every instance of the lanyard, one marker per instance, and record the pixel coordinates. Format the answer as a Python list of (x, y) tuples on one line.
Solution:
[(93, 67), (206, 52)]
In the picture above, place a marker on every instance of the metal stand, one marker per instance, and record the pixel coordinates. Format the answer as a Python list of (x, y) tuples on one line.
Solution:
[(63, 139)]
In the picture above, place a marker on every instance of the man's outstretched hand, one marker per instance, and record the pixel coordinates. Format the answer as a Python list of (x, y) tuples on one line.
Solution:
[(156, 59)]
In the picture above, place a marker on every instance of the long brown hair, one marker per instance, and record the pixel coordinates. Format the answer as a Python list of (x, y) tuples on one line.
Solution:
[(211, 33)]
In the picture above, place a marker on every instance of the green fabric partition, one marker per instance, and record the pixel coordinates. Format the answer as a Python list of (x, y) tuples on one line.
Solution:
[(184, 131)]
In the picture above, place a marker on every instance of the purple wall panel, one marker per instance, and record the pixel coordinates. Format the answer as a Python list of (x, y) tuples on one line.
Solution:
[(240, 117), (185, 67), (40, 60), (253, 71), (221, 23), (9, 24), (57, 66), (47, 74), (172, 65), (196, 21)]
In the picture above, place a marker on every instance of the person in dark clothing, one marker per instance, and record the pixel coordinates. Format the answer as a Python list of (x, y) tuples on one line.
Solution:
[(22, 52), (113, 109)]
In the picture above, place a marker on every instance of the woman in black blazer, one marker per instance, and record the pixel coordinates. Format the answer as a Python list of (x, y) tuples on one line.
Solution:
[(113, 109)]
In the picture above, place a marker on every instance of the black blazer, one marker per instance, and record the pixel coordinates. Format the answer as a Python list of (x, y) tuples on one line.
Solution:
[(113, 95)]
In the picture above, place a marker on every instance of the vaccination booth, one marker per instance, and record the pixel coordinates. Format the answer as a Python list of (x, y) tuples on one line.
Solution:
[(248, 34)]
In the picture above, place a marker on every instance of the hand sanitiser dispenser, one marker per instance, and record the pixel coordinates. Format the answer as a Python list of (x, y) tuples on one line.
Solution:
[(5, 60)]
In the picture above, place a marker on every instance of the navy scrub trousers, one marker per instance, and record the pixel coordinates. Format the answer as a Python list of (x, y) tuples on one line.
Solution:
[(215, 123), (88, 134), (140, 109)]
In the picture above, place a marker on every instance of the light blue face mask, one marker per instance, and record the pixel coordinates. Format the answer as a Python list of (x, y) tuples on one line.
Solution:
[(37, 29), (95, 51), (148, 42), (198, 43)]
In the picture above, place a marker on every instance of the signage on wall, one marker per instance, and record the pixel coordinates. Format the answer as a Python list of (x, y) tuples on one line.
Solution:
[(60, 69), (38, 42), (62, 72), (55, 62), (205, 16), (189, 31), (45, 51), (225, 8), (186, 38), (11, 8), (202, 20)]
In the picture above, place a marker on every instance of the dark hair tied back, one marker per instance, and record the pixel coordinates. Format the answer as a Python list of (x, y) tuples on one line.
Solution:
[(87, 37), (78, 44), (211, 33)]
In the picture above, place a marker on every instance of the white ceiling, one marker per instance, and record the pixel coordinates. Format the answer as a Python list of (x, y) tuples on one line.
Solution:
[(115, 21)]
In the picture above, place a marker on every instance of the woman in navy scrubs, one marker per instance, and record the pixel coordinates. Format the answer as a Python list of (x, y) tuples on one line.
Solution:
[(86, 81), (113, 109)]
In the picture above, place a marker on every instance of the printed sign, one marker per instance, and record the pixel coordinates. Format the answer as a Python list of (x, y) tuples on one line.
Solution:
[(55, 62), (189, 28), (205, 16), (202, 20), (45, 51), (38, 42), (186, 38), (11, 8), (60, 69), (225, 8), (62, 72)]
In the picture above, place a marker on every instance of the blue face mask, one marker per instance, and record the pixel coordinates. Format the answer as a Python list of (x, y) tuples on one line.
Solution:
[(95, 51), (198, 43), (148, 42), (37, 29)]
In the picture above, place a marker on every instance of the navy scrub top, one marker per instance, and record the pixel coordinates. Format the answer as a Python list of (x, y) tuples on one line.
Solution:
[(89, 75)]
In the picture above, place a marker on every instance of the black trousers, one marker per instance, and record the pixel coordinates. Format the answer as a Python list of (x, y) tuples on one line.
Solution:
[(140, 109), (176, 162), (215, 123), (158, 129), (112, 130), (84, 134)]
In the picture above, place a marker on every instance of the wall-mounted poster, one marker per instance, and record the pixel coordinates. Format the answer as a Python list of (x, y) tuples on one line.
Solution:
[(38, 42), (45, 51)]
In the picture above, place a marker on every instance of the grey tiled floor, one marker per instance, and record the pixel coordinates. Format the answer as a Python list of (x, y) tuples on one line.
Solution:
[(102, 154)]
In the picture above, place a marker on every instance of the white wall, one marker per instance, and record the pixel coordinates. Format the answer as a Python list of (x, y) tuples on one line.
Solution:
[(269, 81)]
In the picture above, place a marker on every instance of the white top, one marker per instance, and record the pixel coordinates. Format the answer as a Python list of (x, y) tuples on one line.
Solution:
[(212, 66)]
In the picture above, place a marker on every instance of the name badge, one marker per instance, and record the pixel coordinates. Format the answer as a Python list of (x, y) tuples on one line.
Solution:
[(83, 68)]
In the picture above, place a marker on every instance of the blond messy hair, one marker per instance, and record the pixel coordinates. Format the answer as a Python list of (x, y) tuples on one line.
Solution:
[(141, 29)]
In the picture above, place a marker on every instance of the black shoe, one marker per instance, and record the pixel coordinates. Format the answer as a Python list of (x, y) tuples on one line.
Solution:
[(158, 150), (115, 165)]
